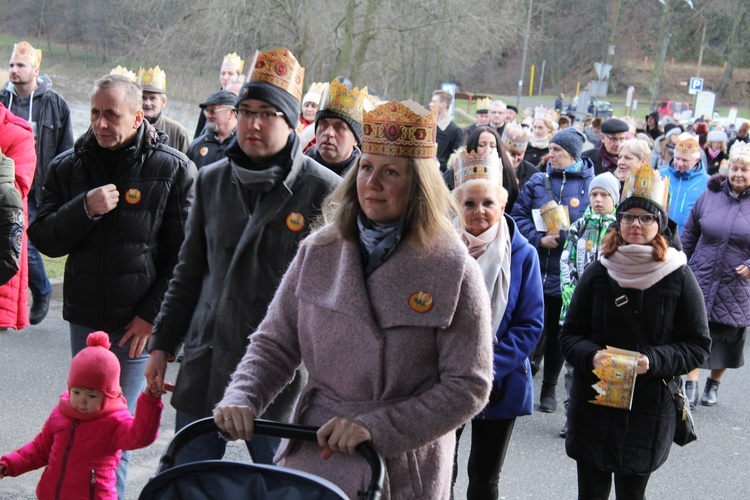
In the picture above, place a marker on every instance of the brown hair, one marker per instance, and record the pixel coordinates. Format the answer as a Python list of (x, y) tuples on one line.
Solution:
[(429, 212), (444, 96), (613, 240)]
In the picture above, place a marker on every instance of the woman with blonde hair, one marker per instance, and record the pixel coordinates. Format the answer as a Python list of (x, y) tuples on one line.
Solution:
[(633, 153), (541, 132), (388, 313)]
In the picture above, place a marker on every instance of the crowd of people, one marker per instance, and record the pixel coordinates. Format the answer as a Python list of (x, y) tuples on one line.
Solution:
[(288, 257)]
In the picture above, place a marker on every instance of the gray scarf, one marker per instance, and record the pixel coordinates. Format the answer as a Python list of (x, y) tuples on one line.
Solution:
[(377, 243)]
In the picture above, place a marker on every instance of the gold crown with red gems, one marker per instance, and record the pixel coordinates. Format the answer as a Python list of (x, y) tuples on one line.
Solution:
[(337, 98), (405, 129), (279, 68), (473, 166), (152, 80), (23, 51), (687, 144), (739, 148), (647, 183), (233, 61), (119, 70)]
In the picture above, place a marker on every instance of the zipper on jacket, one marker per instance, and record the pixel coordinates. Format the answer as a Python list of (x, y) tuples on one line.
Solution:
[(65, 457), (93, 484)]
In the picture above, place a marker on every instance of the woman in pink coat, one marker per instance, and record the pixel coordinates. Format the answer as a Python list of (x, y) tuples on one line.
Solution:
[(389, 315), (81, 440), (17, 142)]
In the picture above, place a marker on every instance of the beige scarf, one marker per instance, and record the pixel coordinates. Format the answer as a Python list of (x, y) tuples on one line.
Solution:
[(492, 249), (633, 266)]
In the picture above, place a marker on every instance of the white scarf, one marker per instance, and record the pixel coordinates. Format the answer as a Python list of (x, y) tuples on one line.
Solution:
[(633, 266), (492, 249)]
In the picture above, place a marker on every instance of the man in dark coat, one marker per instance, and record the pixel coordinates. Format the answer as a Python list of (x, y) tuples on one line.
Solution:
[(449, 136), (614, 133), (250, 213), (221, 127), (116, 204), (29, 96), (338, 127)]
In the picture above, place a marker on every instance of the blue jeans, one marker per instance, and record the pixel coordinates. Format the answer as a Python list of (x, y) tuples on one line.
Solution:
[(212, 446), (38, 282), (132, 382)]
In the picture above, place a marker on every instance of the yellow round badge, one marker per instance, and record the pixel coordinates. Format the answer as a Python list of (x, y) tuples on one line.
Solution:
[(574, 202), (133, 196), (589, 244), (295, 221), (203, 151), (420, 302)]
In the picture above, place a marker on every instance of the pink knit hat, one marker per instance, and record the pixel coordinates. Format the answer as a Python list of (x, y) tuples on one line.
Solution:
[(96, 367)]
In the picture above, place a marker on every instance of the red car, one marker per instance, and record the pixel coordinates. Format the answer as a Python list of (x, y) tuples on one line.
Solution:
[(672, 108)]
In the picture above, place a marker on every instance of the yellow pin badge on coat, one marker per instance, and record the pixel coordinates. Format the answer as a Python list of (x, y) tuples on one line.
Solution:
[(574, 202), (133, 196), (203, 151), (295, 221), (420, 302)]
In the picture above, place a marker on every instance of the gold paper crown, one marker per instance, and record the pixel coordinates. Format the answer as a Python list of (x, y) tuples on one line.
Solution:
[(404, 129), (687, 144), (314, 93), (339, 99), (25, 52), (233, 61), (279, 68), (647, 183), (517, 144), (473, 166), (152, 80), (484, 103), (119, 70), (739, 148)]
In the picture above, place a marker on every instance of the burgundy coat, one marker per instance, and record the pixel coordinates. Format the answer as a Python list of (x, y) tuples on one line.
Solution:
[(716, 240), (17, 142), (75, 450), (412, 374)]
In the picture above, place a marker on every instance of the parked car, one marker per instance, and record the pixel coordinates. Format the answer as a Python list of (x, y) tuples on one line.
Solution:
[(599, 108), (674, 109)]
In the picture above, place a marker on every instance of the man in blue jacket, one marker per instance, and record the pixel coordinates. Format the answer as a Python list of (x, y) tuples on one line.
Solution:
[(687, 178)]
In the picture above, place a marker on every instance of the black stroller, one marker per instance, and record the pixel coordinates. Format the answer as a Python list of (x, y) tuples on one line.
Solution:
[(217, 479)]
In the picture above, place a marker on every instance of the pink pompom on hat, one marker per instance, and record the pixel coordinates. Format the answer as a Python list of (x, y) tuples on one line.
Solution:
[(96, 367)]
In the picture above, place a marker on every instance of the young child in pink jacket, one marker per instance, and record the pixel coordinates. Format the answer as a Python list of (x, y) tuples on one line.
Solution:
[(81, 440)]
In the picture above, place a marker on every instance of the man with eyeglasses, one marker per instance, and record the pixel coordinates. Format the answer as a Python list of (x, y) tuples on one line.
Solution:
[(687, 178), (221, 125), (498, 114), (613, 133), (251, 211)]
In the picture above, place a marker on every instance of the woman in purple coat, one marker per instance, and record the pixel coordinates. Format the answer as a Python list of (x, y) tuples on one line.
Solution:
[(716, 239), (388, 313)]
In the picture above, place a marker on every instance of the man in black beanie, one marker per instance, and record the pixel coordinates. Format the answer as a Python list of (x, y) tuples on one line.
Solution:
[(338, 127), (251, 211), (614, 132)]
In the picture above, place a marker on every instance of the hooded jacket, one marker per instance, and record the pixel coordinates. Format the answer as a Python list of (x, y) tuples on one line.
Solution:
[(716, 240), (684, 190), (17, 142), (569, 189), (80, 456), (118, 264), (54, 129)]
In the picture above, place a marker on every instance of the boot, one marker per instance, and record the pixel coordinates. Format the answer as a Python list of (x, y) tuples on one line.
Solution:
[(547, 400), (710, 396), (39, 310), (691, 392)]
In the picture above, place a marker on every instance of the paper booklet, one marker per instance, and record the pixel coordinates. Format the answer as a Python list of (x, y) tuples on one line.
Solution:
[(616, 379)]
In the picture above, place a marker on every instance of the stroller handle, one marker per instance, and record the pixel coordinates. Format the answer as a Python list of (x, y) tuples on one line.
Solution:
[(279, 430)]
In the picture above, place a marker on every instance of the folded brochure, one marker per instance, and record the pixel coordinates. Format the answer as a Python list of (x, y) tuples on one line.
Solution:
[(616, 379)]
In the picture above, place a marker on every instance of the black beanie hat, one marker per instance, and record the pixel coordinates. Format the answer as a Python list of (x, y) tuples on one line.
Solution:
[(355, 127), (646, 204), (273, 95), (571, 140)]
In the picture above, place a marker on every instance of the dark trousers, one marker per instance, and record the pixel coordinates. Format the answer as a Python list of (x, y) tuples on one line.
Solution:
[(553, 358), (489, 444), (595, 484)]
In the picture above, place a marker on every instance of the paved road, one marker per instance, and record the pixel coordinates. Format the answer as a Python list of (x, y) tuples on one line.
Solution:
[(34, 367)]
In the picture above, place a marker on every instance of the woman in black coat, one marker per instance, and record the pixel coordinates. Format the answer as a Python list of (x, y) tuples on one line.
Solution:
[(667, 302)]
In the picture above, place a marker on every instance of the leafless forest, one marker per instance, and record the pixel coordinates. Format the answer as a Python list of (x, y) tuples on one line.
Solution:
[(398, 48)]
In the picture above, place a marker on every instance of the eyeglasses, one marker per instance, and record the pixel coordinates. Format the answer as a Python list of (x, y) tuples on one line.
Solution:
[(262, 116), (215, 111), (615, 139), (644, 219)]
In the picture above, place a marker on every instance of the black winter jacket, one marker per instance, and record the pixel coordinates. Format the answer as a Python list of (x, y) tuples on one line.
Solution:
[(118, 264), (635, 441)]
